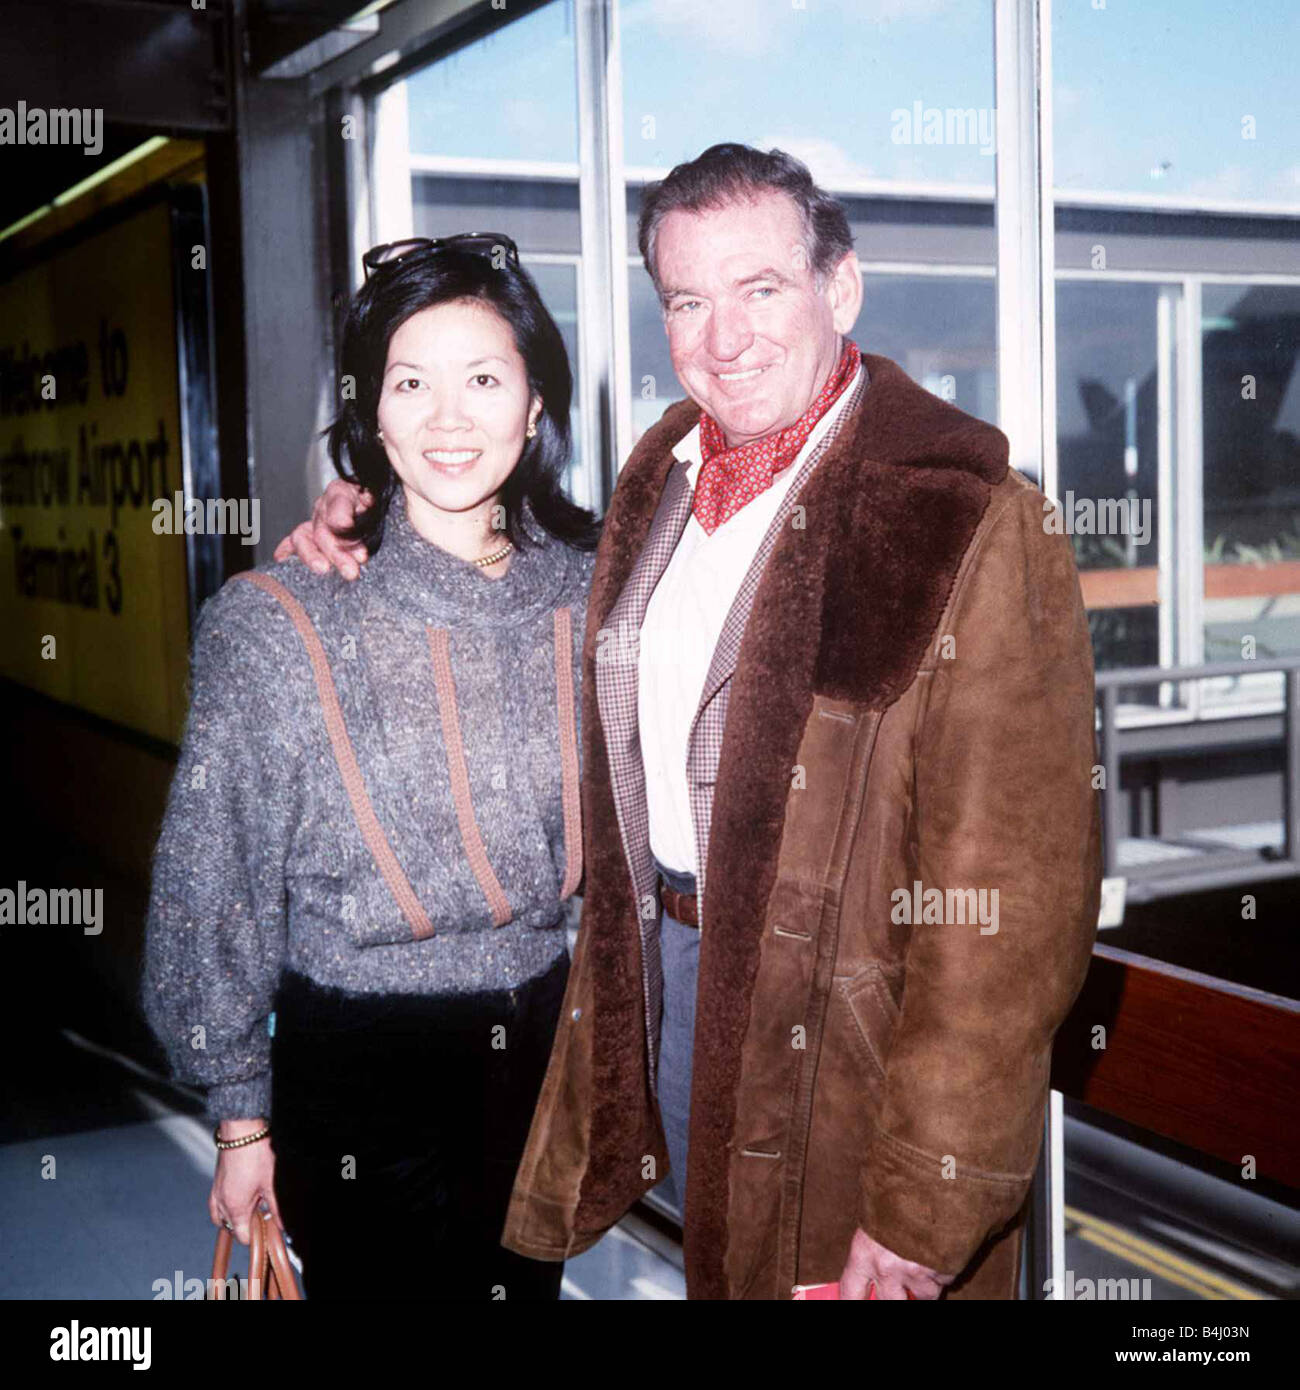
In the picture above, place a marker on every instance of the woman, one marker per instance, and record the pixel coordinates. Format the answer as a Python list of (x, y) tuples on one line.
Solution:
[(374, 825)]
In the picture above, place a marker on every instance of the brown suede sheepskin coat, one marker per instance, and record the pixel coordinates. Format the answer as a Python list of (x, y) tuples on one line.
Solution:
[(920, 650)]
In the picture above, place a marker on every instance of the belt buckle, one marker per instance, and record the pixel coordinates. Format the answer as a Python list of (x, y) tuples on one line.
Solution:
[(666, 888)]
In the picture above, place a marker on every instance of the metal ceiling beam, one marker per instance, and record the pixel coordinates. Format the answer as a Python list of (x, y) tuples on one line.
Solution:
[(157, 66)]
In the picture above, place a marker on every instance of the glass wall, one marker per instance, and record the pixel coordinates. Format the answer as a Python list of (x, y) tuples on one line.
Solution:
[(914, 110), (914, 106), (1178, 299), (1186, 101), (1250, 342), (1111, 385), (485, 138), (510, 95), (1177, 388), (942, 331)]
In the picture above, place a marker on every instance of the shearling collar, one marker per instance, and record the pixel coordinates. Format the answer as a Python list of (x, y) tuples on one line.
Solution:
[(897, 423)]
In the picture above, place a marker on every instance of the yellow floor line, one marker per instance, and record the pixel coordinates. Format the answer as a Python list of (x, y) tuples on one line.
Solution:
[(1152, 1267), (1145, 1254)]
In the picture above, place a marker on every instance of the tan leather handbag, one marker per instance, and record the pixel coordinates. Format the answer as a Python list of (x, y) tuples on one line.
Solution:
[(270, 1274)]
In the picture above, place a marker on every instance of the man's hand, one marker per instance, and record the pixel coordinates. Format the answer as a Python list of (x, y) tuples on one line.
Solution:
[(316, 542), (869, 1262)]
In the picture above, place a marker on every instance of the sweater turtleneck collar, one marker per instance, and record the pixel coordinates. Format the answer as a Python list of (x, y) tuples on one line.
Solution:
[(424, 581)]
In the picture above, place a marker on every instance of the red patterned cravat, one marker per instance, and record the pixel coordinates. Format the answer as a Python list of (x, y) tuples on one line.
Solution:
[(728, 478)]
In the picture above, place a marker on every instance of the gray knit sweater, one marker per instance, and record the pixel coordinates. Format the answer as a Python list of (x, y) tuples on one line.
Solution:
[(261, 865)]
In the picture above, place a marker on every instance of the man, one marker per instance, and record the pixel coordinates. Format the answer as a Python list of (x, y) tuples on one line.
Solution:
[(842, 848)]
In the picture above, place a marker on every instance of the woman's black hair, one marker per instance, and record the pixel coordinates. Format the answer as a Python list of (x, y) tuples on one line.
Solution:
[(391, 295)]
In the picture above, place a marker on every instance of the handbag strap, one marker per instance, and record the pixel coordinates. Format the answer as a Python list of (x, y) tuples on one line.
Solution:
[(221, 1262), (269, 1267), (257, 1259), (283, 1284)]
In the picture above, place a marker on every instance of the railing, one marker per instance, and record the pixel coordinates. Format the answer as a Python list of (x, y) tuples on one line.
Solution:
[(1203, 1061), (1210, 867), (1123, 587)]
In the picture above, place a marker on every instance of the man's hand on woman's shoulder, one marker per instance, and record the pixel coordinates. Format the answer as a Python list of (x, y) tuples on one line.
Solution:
[(317, 542)]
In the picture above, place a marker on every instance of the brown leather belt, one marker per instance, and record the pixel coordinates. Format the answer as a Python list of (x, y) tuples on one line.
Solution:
[(685, 907)]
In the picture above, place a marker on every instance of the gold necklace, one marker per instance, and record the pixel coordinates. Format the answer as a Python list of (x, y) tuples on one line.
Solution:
[(492, 559)]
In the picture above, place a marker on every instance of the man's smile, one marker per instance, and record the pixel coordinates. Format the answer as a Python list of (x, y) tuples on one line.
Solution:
[(738, 378)]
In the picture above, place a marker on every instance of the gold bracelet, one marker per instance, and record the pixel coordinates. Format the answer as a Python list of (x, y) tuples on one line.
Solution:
[(239, 1143)]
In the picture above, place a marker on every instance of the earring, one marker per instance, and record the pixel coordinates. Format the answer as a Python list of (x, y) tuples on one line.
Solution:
[(380, 433), (531, 432)]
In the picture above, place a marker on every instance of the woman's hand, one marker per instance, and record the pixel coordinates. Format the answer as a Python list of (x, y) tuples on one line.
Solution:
[(316, 542), (244, 1178)]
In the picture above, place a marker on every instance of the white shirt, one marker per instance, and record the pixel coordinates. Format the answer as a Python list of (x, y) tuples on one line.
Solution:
[(682, 625)]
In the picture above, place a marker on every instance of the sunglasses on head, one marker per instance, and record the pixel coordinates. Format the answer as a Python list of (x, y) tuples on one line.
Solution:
[(475, 243)]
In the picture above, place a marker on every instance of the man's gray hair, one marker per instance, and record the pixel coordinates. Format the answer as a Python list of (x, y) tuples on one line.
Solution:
[(731, 173)]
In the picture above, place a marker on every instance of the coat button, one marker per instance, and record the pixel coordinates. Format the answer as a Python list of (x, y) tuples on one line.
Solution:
[(577, 1014)]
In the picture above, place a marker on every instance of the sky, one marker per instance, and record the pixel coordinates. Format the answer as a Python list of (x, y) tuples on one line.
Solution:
[(1151, 96)]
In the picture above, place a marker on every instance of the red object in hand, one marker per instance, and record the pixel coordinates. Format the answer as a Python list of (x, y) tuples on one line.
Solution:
[(805, 1292)]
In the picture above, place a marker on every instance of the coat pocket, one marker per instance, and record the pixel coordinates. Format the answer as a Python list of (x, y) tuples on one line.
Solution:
[(873, 1015)]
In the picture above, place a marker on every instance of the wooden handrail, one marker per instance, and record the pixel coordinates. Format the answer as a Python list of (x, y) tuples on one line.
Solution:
[(1205, 1062)]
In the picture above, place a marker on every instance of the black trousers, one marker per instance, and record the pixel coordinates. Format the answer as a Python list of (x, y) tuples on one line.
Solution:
[(398, 1122)]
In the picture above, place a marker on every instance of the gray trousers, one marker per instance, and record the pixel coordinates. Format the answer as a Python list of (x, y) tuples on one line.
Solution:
[(679, 946)]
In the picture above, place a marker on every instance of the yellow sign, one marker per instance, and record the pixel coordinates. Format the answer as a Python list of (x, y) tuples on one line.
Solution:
[(93, 602)]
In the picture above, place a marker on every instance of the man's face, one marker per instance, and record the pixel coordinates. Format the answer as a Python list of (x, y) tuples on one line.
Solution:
[(752, 338)]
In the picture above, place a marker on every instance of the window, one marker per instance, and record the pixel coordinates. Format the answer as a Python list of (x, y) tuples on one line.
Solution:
[(913, 104), (1114, 459), (941, 330), (1176, 386), (485, 138), (1177, 332), (913, 110), (1250, 340), (1186, 101)]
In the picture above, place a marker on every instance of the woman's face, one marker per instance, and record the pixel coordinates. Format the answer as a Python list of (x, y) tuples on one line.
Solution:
[(454, 406)]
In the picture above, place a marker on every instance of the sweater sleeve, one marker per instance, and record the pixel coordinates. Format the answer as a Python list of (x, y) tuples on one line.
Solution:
[(216, 930)]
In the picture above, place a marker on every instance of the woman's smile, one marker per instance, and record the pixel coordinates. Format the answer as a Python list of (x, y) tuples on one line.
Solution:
[(453, 461)]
